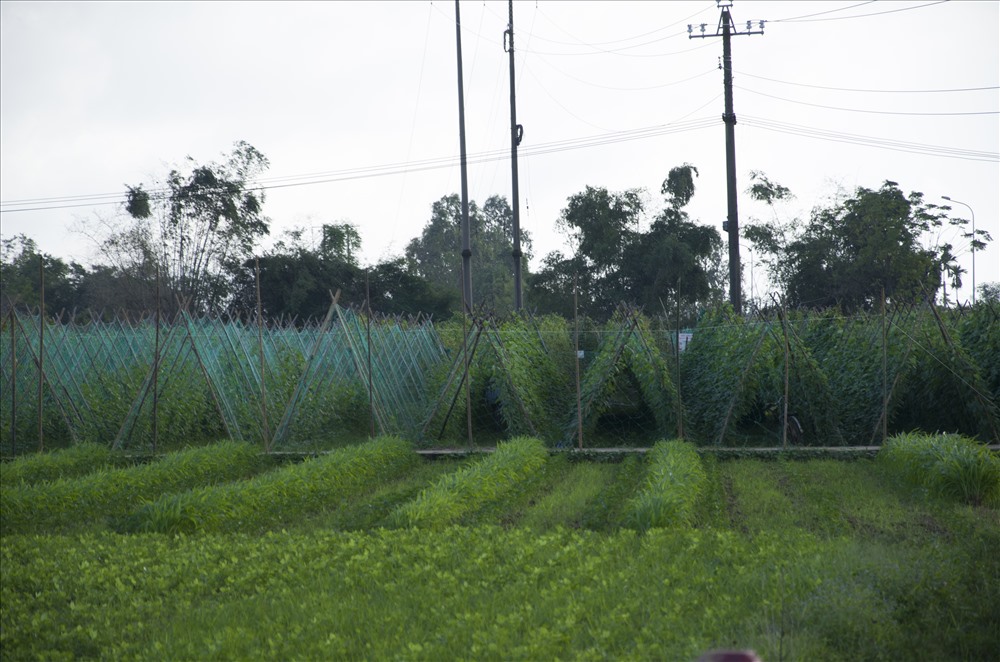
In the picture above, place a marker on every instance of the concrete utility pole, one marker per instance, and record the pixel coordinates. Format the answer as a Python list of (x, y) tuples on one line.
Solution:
[(726, 29), (516, 133), (466, 232)]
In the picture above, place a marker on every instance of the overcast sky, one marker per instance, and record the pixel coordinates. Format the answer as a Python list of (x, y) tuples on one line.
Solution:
[(94, 96)]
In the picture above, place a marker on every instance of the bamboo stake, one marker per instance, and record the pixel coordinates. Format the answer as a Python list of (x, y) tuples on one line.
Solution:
[(41, 349), (885, 376), (677, 352), (368, 333), (13, 386), (156, 365), (784, 422), (465, 375), (266, 430), (576, 334)]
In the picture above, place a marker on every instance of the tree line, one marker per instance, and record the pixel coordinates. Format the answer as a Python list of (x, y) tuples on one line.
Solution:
[(192, 241)]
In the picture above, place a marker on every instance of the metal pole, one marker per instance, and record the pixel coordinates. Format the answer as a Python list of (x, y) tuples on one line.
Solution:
[(516, 133), (466, 232), (735, 295)]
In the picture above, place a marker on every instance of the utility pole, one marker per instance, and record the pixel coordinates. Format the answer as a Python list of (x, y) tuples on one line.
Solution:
[(516, 133), (727, 29), (466, 232)]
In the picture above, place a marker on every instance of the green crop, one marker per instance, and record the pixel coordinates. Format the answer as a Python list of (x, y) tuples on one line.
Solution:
[(501, 475), (674, 483), (71, 502), (289, 492), (69, 462)]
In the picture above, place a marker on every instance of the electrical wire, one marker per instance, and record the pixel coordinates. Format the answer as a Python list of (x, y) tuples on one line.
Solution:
[(854, 89), (828, 11), (862, 110), (383, 170), (869, 141), (844, 18)]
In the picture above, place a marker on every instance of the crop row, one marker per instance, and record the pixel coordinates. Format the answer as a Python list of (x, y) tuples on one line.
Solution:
[(510, 469), (112, 493), (227, 487), (286, 493), (71, 462)]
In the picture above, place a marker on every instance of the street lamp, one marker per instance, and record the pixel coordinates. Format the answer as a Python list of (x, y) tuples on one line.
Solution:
[(945, 197)]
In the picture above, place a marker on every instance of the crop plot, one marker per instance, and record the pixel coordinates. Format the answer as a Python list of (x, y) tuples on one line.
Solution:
[(357, 554)]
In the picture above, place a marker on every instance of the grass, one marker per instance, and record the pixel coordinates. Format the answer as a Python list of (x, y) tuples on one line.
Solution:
[(947, 465)]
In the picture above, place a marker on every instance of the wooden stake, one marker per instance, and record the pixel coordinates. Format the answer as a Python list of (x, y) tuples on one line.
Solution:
[(579, 404), (41, 349), (266, 431)]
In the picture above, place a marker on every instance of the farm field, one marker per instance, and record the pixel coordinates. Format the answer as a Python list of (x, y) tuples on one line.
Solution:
[(374, 553)]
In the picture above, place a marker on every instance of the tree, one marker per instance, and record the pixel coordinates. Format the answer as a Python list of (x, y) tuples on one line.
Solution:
[(436, 254), (20, 279), (850, 251), (616, 261), (189, 228), (677, 260), (296, 281)]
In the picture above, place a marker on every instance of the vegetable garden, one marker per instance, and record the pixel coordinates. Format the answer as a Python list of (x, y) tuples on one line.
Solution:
[(372, 552), (217, 489)]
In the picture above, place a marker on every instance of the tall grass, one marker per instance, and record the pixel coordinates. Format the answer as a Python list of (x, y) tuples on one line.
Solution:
[(947, 465)]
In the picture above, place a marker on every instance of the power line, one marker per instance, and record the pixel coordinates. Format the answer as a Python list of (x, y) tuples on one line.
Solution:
[(854, 89), (828, 11), (580, 42), (869, 141), (844, 18), (398, 168), (862, 110)]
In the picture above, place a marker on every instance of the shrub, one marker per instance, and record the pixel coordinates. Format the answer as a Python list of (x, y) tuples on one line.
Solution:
[(675, 480), (288, 492), (504, 474), (946, 465), (115, 492)]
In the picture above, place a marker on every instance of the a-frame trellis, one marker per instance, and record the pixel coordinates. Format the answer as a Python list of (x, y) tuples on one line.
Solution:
[(627, 346)]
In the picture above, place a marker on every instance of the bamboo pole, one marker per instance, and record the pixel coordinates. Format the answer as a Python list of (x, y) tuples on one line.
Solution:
[(784, 422), (579, 403), (13, 386), (466, 377), (368, 334), (885, 376), (266, 429), (156, 365), (677, 353), (41, 349)]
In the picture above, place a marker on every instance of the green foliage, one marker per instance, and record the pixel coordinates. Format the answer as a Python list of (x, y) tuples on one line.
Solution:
[(70, 462), (112, 493), (627, 348), (674, 483), (500, 476), (268, 499), (947, 465)]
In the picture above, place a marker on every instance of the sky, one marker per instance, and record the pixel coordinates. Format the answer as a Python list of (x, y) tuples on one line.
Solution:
[(355, 105)]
